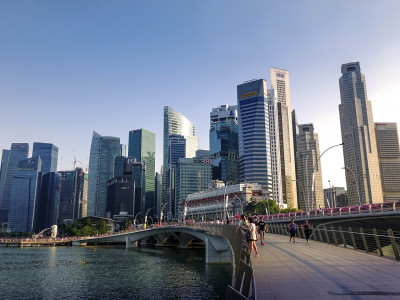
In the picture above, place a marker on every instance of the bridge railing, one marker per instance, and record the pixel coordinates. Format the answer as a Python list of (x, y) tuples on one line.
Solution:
[(379, 242), (387, 206), (243, 283)]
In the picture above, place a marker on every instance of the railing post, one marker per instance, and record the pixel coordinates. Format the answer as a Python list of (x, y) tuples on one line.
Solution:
[(334, 235), (353, 241), (364, 239), (327, 236), (394, 245), (342, 236), (315, 233), (298, 232), (303, 234), (320, 235), (378, 243)]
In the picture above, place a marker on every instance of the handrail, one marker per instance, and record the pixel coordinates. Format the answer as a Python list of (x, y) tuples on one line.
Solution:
[(386, 245), (388, 206)]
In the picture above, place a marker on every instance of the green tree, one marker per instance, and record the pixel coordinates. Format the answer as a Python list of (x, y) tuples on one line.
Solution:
[(102, 227)]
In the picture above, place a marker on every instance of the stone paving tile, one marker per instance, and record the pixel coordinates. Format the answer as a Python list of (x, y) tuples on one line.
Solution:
[(309, 271)]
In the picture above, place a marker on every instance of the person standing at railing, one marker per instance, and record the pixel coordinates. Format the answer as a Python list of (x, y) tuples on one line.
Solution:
[(253, 236), (262, 228), (307, 228), (292, 231)]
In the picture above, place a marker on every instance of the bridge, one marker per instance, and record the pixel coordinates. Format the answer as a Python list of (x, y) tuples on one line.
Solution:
[(322, 268), (217, 247)]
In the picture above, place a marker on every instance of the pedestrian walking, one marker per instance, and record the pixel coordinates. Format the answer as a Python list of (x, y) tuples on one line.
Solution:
[(292, 231), (262, 228), (253, 236), (307, 228)]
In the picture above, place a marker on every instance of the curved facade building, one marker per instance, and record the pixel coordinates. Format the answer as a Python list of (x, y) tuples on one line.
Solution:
[(175, 124)]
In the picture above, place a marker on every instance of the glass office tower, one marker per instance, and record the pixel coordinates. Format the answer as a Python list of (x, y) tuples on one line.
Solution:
[(25, 193), (254, 134), (48, 154), (224, 144), (18, 152), (142, 146), (103, 151)]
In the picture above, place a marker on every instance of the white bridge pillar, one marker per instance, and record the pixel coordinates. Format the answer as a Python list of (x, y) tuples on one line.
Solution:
[(214, 256)]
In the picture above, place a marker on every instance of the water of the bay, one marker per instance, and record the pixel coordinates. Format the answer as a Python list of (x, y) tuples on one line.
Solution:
[(109, 273)]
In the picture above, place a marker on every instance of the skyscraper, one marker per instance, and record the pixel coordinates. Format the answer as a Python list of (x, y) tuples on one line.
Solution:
[(387, 140), (307, 156), (191, 175), (127, 172), (25, 193), (18, 152), (49, 201), (254, 134), (101, 169), (48, 154), (179, 147), (72, 185), (142, 146), (224, 144), (358, 135), (280, 83), (175, 123), (275, 148)]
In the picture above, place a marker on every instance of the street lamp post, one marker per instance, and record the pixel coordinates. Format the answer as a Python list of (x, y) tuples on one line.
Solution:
[(145, 217), (316, 165), (355, 182), (134, 220), (304, 195)]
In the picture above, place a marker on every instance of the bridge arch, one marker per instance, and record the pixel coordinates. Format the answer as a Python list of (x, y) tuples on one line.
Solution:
[(217, 247)]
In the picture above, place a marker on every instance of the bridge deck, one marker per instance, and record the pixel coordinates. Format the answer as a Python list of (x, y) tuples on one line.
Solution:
[(310, 271)]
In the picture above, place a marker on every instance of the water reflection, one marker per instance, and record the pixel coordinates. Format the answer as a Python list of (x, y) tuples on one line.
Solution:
[(110, 273)]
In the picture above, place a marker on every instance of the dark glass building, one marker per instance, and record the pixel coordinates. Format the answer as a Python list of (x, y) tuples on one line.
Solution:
[(142, 147), (103, 151), (72, 194), (48, 154), (25, 193), (18, 152), (136, 171), (120, 196), (224, 144), (49, 201), (254, 134)]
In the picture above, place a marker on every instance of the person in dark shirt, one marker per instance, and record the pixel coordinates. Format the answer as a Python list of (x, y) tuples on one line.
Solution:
[(262, 228), (292, 231), (307, 229)]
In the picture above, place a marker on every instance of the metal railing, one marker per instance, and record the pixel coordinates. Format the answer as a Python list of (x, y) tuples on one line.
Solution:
[(388, 206), (243, 283), (379, 242)]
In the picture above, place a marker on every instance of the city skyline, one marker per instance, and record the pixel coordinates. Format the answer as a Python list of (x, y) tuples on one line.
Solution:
[(198, 68)]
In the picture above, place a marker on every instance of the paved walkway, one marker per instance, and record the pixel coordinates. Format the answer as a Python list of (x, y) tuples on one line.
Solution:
[(311, 271)]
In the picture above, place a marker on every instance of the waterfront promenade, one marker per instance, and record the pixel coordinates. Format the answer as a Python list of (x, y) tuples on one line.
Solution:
[(299, 270)]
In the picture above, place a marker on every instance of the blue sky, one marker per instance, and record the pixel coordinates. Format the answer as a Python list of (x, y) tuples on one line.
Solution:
[(70, 67)]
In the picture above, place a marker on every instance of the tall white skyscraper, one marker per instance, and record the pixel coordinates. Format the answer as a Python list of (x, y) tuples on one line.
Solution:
[(275, 147), (310, 196), (358, 135), (179, 136), (280, 83)]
